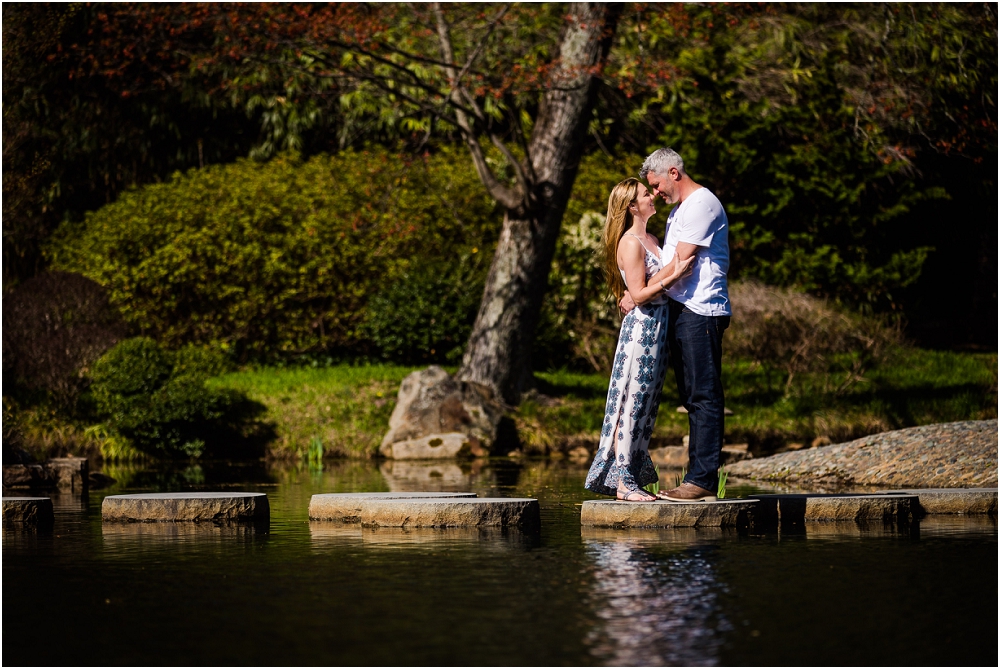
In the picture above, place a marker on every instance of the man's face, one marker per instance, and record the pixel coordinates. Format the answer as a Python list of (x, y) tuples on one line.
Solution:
[(663, 185)]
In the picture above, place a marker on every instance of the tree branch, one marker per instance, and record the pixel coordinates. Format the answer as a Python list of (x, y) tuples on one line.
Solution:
[(508, 197)]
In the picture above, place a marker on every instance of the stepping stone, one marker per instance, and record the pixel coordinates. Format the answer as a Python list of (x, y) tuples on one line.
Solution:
[(432, 510), (27, 511), (953, 500), (791, 510), (345, 507), (239, 507), (721, 513)]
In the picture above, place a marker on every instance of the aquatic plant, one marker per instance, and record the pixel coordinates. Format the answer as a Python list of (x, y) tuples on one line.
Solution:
[(723, 477), (315, 452)]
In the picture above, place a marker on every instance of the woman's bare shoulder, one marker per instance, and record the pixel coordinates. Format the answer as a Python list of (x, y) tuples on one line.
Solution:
[(629, 248)]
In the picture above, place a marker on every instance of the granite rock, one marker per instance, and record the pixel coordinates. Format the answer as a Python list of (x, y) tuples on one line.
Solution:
[(27, 511), (347, 507), (439, 417), (613, 513), (187, 507), (452, 512), (955, 455)]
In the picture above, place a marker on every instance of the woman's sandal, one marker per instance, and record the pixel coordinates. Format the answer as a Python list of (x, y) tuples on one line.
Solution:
[(628, 496)]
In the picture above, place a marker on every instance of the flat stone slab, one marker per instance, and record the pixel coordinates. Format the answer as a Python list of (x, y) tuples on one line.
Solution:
[(953, 500), (27, 511), (786, 510), (616, 514), (345, 507), (449, 512), (962, 454), (238, 507)]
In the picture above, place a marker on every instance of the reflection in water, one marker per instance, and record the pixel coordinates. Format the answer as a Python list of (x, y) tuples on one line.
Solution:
[(658, 608), (957, 525), (126, 539), (432, 476), (330, 535)]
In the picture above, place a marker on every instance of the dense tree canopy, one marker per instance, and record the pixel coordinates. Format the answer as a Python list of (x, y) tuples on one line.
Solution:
[(838, 135)]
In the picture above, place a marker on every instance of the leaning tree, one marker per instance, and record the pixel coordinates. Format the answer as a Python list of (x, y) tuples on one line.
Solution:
[(516, 83)]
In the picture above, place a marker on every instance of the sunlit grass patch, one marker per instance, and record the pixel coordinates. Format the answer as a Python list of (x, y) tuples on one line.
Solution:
[(346, 407)]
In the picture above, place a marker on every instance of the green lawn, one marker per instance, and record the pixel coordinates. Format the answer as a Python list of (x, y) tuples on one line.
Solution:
[(348, 407)]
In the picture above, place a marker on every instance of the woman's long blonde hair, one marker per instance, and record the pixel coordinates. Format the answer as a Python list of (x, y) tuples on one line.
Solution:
[(618, 220)]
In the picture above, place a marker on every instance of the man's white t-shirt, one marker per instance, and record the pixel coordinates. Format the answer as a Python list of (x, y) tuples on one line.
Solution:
[(701, 220)]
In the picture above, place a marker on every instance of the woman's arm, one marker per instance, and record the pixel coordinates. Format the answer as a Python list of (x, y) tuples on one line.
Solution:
[(631, 258), (678, 267)]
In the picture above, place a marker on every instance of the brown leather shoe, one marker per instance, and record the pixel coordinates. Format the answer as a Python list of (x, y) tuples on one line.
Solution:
[(688, 492)]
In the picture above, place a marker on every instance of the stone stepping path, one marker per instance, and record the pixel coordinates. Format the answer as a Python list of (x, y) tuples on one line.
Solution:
[(27, 512), (416, 510), (721, 513), (231, 507), (794, 510), (953, 500), (345, 507)]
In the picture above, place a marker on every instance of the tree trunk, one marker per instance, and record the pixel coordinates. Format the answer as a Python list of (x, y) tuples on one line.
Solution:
[(499, 350)]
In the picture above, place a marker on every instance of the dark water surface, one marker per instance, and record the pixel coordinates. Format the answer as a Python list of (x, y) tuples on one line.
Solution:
[(301, 593)]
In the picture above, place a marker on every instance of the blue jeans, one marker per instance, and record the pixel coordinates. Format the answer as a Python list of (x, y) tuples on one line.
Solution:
[(696, 355)]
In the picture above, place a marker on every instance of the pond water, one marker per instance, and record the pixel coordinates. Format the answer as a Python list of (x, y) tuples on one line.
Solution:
[(301, 593)]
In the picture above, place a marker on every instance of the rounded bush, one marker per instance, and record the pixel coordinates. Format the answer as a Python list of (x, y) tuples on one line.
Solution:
[(158, 399), (278, 258)]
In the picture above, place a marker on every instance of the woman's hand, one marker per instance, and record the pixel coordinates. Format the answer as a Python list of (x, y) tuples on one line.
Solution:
[(680, 268)]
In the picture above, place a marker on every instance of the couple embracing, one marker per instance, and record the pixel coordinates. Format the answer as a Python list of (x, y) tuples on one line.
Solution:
[(676, 306)]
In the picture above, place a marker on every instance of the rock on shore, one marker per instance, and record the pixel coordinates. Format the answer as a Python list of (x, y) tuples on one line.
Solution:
[(946, 455)]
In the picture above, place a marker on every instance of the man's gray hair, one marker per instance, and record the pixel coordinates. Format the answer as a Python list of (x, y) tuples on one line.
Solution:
[(660, 161)]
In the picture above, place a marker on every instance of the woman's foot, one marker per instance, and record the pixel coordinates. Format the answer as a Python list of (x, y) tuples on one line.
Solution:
[(637, 495)]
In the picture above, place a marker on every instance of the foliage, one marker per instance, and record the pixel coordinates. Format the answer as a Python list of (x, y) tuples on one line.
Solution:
[(795, 333), (723, 478), (809, 122), (157, 399), (426, 315), (96, 98), (282, 257), (55, 325)]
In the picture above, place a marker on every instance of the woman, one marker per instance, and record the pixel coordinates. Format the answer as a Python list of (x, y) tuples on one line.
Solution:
[(632, 262)]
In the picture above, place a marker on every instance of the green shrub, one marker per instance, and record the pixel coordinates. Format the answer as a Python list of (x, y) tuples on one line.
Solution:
[(278, 258), (426, 316), (790, 331), (158, 399)]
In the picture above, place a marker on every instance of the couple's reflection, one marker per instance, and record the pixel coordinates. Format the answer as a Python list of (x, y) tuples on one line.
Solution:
[(657, 597)]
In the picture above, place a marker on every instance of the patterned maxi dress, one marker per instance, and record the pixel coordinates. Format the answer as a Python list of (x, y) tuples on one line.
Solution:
[(633, 397)]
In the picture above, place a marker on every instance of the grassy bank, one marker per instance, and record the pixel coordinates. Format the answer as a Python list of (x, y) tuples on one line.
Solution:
[(348, 407)]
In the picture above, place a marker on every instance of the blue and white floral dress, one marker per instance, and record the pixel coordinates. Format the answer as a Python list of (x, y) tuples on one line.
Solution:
[(640, 366)]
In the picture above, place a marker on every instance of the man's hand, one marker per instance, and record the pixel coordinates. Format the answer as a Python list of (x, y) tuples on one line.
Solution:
[(626, 304)]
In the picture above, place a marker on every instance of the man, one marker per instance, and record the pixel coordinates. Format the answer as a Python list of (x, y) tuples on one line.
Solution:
[(699, 314)]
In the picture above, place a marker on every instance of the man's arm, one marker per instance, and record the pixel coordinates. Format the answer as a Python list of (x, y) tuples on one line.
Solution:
[(685, 250)]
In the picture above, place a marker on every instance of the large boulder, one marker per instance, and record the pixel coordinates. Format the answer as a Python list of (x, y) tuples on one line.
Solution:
[(438, 417)]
